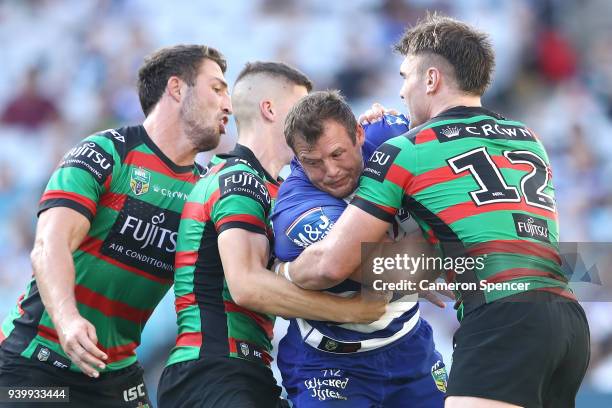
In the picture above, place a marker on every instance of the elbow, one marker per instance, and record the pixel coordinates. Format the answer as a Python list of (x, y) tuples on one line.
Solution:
[(333, 270), (36, 254), (243, 297), (332, 276)]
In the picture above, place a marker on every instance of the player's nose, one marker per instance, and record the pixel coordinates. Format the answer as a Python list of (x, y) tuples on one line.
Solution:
[(332, 171), (226, 105)]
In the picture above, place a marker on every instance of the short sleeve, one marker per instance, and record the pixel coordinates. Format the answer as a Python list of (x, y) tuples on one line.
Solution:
[(81, 177), (244, 202), (385, 179)]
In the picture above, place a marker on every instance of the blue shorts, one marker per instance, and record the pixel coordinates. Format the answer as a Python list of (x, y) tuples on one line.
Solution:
[(407, 373)]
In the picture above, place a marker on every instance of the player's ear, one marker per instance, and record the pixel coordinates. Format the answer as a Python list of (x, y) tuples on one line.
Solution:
[(267, 110), (433, 79), (359, 135), (175, 88)]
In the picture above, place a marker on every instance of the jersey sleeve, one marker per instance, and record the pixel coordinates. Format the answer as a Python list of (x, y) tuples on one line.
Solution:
[(385, 178), (244, 202), (81, 177)]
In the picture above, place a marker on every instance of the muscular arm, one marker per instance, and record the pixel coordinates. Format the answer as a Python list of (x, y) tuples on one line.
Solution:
[(59, 232), (244, 256), (330, 261)]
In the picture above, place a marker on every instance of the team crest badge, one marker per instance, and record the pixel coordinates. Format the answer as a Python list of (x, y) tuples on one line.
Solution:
[(139, 181), (438, 372)]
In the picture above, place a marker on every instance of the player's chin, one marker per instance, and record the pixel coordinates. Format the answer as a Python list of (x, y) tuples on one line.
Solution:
[(209, 140)]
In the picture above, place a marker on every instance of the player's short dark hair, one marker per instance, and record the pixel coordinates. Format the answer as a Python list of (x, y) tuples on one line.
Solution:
[(307, 117), (467, 50), (276, 69), (182, 61)]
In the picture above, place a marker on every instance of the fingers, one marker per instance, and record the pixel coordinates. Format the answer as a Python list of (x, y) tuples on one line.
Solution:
[(80, 345), (377, 306), (95, 352), (374, 114), (368, 308), (82, 358), (448, 293), (433, 298)]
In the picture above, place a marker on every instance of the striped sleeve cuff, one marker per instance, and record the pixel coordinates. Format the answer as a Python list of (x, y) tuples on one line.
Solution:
[(244, 221), (65, 202), (381, 212)]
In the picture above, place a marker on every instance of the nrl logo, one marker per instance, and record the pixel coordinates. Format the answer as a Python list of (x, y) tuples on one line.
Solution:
[(139, 181), (43, 354), (438, 372), (450, 131), (245, 349), (331, 345)]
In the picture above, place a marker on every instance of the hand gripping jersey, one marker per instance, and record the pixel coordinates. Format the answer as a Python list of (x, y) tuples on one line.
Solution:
[(478, 185), (304, 215), (236, 193), (133, 196)]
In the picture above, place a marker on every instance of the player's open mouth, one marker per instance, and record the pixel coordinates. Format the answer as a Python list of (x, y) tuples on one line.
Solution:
[(222, 123)]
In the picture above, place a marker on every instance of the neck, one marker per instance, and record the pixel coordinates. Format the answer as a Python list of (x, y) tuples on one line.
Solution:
[(450, 101), (169, 136), (266, 148)]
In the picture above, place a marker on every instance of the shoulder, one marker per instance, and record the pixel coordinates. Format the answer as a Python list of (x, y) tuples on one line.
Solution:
[(237, 178), (118, 142)]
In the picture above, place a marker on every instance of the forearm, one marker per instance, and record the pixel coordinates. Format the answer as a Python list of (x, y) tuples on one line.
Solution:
[(316, 269), (266, 292), (55, 278)]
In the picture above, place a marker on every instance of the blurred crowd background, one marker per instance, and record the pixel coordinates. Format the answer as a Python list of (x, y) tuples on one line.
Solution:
[(69, 68)]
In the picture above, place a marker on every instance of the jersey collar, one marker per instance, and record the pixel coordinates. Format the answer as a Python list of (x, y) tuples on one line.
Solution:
[(247, 154), (144, 136), (466, 111)]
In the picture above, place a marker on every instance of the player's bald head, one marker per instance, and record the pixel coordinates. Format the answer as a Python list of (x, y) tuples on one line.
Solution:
[(260, 81)]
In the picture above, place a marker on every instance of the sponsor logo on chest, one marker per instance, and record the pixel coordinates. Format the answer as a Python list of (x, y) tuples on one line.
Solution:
[(144, 236)]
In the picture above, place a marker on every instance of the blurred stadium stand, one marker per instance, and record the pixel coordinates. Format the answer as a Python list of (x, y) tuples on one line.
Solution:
[(70, 66)]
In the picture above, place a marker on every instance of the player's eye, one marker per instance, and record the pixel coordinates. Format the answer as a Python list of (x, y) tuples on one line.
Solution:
[(310, 162)]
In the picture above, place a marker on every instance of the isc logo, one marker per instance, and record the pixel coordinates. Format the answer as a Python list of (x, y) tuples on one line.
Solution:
[(133, 393)]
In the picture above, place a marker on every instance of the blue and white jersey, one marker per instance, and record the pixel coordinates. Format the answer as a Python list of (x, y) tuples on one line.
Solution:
[(303, 215)]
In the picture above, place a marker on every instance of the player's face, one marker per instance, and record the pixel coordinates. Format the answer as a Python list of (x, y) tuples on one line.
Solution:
[(205, 107), (413, 91), (334, 163)]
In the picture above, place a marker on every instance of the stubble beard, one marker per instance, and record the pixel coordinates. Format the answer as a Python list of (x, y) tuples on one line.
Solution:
[(201, 136)]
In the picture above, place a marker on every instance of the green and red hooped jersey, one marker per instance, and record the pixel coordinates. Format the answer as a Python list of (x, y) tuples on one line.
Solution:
[(236, 193), (475, 181), (133, 196)]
